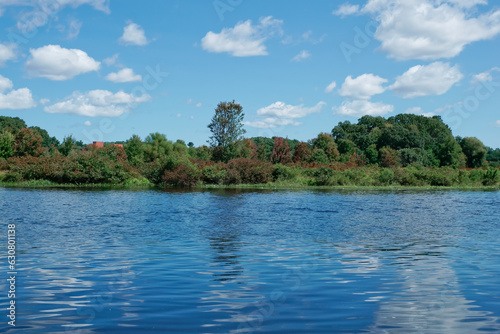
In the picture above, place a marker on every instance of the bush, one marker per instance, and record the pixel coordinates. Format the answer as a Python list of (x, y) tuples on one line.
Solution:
[(386, 176), (182, 175), (249, 171), (491, 177), (284, 173), (213, 175)]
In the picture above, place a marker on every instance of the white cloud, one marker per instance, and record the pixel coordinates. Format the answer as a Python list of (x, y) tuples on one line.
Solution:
[(419, 111), (362, 87), (97, 103), (430, 29), (280, 109), (303, 55), (244, 40), (358, 108), (57, 63), (414, 110), (5, 84), (74, 29), (272, 122), (281, 114), (124, 75), (87, 123), (7, 52), (44, 101), (133, 34), (45, 10), (198, 105), (14, 99), (330, 87), (497, 124), (422, 80), (346, 9), (110, 61), (484, 76)]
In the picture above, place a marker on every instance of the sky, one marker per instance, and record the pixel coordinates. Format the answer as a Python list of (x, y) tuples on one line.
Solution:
[(103, 70)]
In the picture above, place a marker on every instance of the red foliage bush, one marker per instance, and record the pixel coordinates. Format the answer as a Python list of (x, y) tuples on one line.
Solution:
[(181, 175), (248, 171)]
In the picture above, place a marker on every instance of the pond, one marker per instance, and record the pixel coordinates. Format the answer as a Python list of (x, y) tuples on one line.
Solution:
[(224, 261)]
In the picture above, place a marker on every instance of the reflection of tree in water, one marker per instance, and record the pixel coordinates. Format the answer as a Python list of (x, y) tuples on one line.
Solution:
[(224, 235), (230, 294), (225, 257)]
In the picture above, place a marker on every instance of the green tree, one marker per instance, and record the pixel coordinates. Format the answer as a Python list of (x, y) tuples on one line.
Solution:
[(67, 145), (326, 143), (47, 140), (134, 147), (157, 147), (12, 124), (28, 142), (474, 150), (6, 144), (227, 128)]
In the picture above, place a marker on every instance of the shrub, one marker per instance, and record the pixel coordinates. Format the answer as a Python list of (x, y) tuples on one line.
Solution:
[(250, 171), (386, 176), (213, 175), (491, 177), (182, 175), (284, 173)]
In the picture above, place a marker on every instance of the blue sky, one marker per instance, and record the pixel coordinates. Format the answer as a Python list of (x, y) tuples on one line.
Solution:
[(104, 70)]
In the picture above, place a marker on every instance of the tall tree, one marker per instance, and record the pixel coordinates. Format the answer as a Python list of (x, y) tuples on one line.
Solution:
[(28, 142), (67, 145), (6, 144), (227, 128), (281, 151), (474, 150)]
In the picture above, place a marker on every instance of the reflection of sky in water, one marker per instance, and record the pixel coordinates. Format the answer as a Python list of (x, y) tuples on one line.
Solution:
[(212, 262)]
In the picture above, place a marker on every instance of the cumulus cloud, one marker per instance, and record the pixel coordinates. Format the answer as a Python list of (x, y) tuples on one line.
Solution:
[(362, 87), (56, 63), (43, 10), (497, 124), (346, 9), (133, 34), (429, 29), (330, 87), (485, 76), (423, 80), (97, 103), (358, 108), (110, 61), (303, 55), (419, 111), (272, 122), (244, 39), (7, 52), (14, 99), (281, 114), (124, 75), (5, 84)]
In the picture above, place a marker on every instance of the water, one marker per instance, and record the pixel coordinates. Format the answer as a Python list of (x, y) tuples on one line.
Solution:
[(253, 262)]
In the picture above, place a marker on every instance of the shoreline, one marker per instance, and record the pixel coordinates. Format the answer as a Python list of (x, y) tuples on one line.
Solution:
[(267, 186)]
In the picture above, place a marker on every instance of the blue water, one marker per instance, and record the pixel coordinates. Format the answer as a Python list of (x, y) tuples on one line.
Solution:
[(252, 262)]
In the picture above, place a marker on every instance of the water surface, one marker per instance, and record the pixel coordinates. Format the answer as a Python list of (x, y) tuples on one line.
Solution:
[(253, 262)]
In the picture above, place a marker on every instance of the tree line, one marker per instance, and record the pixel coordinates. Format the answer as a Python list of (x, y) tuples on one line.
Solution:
[(405, 149)]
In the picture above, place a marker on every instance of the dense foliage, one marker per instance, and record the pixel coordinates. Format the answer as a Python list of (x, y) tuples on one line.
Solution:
[(406, 150)]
